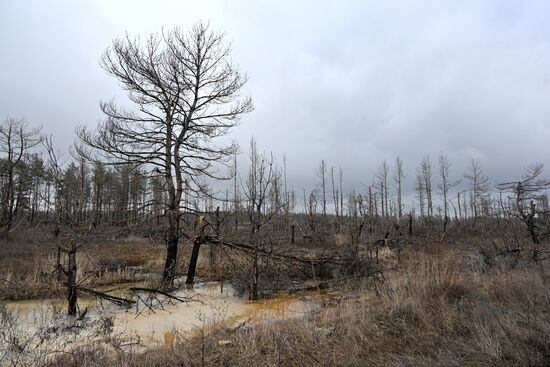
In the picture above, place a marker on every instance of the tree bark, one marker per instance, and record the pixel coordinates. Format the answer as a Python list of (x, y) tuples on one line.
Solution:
[(171, 259), (71, 282), (194, 258)]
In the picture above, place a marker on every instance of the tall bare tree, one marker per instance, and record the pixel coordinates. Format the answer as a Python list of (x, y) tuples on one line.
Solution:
[(73, 219), (444, 186), (186, 93), (16, 139), (478, 184), (382, 178), (334, 192), (420, 189), (341, 179), (322, 174), (527, 193), (236, 193), (426, 172), (262, 179), (398, 177)]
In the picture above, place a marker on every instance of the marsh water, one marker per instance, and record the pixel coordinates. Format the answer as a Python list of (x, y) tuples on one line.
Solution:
[(209, 303)]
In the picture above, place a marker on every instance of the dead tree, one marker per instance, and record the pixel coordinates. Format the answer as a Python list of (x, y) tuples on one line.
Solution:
[(478, 184), (289, 202), (527, 193), (398, 178), (420, 192), (72, 242), (236, 196), (186, 93), (372, 212), (16, 138), (322, 175), (444, 186), (382, 177), (262, 176), (335, 199), (341, 178), (426, 174), (310, 208), (199, 240)]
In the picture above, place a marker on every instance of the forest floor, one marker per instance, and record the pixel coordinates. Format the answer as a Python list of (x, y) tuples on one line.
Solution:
[(440, 304), (27, 267)]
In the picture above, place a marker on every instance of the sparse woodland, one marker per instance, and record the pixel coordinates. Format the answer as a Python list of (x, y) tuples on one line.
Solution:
[(459, 277)]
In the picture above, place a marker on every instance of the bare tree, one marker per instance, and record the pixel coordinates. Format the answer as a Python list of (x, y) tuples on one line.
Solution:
[(341, 177), (236, 196), (262, 178), (527, 193), (478, 184), (372, 211), (420, 190), (426, 173), (288, 196), (445, 186), (334, 193), (398, 177), (382, 177), (186, 93), (73, 220), (16, 138), (322, 174), (310, 207)]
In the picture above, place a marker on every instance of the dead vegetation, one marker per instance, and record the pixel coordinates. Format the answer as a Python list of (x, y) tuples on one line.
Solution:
[(28, 266), (438, 305), (433, 312)]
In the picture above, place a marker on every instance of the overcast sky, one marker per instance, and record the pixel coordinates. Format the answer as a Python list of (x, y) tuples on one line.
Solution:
[(351, 82)]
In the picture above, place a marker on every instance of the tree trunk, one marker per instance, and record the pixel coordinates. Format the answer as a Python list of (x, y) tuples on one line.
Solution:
[(255, 275), (193, 261), (71, 282), (171, 257), (7, 212), (410, 225), (59, 267), (533, 232)]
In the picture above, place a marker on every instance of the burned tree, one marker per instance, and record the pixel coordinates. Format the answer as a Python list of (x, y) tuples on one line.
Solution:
[(420, 190), (73, 219), (335, 199), (261, 208), (398, 178), (444, 186), (382, 178), (479, 185), (186, 93), (16, 138), (527, 193), (425, 171), (322, 175)]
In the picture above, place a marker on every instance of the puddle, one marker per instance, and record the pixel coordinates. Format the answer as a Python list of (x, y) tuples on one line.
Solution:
[(209, 305)]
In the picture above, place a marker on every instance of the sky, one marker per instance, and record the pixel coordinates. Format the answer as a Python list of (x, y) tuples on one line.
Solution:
[(351, 82)]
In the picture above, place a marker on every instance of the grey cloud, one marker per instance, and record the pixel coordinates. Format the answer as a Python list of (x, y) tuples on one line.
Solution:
[(353, 82)]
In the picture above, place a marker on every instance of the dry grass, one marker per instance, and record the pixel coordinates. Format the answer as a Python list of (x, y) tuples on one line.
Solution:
[(433, 311), (27, 267)]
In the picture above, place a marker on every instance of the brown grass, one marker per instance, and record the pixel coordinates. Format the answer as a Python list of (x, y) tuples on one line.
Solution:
[(436, 307), (433, 311), (27, 268)]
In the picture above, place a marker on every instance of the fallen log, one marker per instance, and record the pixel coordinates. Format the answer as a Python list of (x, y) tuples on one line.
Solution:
[(167, 295), (123, 302), (274, 255)]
